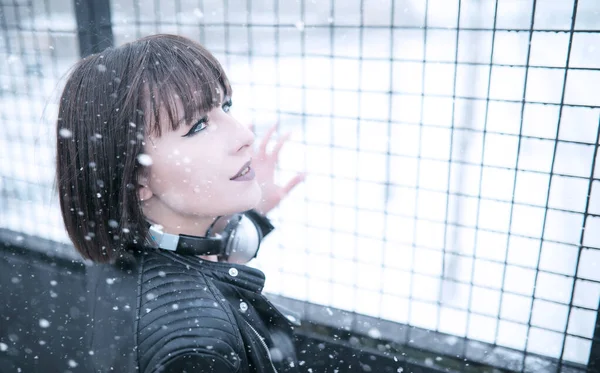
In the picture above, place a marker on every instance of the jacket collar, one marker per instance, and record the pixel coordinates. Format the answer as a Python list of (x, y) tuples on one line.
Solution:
[(239, 275)]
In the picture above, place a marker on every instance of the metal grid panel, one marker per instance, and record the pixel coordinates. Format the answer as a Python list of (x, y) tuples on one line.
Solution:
[(37, 46), (452, 151)]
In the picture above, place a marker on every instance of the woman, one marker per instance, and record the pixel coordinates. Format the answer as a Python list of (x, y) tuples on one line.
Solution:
[(161, 191)]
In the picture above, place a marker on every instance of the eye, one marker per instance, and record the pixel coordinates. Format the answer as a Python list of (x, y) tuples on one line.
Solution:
[(227, 106), (198, 126)]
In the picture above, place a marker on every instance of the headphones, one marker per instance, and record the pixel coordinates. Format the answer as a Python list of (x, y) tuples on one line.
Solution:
[(234, 238)]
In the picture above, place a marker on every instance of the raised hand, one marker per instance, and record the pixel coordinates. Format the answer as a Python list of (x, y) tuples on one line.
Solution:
[(264, 166)]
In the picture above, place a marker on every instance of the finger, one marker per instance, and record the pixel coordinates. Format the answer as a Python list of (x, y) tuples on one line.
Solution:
[(251, 127), (280, 143), (265, 140), (292, 183)]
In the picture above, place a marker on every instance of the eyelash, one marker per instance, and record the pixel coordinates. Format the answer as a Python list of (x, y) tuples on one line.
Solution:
[(204, 120)]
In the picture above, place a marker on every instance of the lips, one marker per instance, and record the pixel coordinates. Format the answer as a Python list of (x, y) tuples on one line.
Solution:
[(246, 165)]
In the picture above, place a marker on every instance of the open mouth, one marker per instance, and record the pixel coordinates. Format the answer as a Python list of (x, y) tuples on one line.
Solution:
[(243, 171)]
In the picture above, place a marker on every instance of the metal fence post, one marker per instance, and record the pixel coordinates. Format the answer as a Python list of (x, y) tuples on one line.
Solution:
[(594, 363), (94, 27)]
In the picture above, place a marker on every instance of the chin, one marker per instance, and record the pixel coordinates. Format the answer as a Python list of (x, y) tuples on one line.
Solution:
[(245, 201), (253, 198)]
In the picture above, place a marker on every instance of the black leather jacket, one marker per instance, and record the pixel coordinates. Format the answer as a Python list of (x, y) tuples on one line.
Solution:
[(166, 312)]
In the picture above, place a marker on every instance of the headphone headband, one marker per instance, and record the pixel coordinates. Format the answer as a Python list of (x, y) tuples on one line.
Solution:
[(183, 243), (236, 238)]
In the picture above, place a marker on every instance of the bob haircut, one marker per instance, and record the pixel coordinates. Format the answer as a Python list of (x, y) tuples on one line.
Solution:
[(111, 100)]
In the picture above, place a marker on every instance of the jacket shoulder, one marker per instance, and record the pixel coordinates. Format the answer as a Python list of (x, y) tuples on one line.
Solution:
[(183, 322), (193, 361)]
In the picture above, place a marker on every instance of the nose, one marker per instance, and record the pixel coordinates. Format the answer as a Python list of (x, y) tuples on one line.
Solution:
[(244, 137)]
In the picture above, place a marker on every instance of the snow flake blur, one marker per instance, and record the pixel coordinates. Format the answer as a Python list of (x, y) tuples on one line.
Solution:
[(144, 159)]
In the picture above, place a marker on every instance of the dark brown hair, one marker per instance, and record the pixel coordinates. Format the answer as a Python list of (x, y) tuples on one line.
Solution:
[(110, 101)]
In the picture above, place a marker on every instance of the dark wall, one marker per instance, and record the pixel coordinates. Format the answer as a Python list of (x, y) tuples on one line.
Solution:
[(41, 308)]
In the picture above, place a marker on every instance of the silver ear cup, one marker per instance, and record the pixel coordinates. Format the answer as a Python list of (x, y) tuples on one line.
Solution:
[(243, 242)]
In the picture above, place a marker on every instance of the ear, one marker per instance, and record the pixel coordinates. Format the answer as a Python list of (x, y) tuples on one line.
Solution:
[(144, 192)]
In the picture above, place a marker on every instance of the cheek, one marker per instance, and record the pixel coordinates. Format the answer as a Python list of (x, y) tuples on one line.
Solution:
[(186, 171)]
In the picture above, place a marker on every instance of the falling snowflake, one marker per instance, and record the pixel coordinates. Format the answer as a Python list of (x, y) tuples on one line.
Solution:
[(65, 133), (144, 159), (374, 333)]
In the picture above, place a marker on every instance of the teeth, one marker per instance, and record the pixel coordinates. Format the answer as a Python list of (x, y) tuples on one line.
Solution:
[(246, 170)]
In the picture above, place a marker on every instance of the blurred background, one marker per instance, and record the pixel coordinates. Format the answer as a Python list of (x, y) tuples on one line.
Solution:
[(451, 148)]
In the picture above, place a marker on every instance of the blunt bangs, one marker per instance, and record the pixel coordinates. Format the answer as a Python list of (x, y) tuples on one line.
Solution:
[(176, 70)]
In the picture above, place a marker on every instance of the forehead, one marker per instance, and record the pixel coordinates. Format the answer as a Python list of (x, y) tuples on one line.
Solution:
[(176, 112)]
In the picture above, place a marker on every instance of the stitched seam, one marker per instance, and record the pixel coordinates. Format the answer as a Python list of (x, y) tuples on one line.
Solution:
[(240, 342), (174, 274), (177, 301), (172, 281), (208, 353), (180, 320), (170, 338), (196, 317)]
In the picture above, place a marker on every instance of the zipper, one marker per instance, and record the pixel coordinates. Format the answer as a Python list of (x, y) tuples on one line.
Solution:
[(264, 344)]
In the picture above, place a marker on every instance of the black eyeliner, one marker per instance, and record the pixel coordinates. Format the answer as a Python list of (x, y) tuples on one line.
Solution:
[(204, 119), (200, 121)]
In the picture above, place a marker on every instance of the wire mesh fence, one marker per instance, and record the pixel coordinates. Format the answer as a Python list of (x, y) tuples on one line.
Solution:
[(451, 147)]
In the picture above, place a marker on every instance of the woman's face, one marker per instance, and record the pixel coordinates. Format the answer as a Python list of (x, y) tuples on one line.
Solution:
[(191, 171)]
